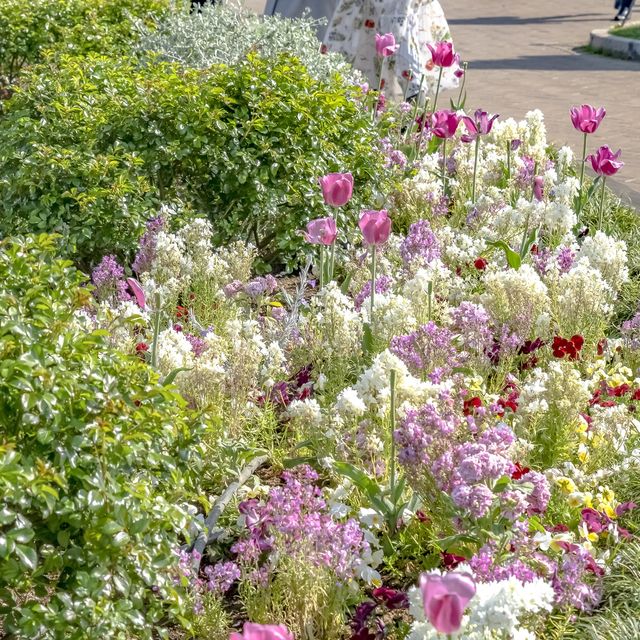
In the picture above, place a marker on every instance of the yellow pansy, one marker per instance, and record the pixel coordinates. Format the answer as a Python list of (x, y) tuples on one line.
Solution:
[(566, 484)]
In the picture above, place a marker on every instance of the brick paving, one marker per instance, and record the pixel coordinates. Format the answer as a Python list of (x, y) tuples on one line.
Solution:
[(524, 55)]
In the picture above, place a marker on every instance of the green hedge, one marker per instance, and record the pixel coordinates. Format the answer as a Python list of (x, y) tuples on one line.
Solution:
[(94, 454), (30, 27), (90, 146)]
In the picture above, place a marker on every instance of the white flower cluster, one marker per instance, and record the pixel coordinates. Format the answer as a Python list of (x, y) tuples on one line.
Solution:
[(498, 611), (517, 298), (333, 325), (392, 315), (607, 255), (372, 391)]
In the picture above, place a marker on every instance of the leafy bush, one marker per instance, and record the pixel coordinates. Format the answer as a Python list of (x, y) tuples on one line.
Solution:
[(89, 146), (93, 456), (78, 26), (225, 34)]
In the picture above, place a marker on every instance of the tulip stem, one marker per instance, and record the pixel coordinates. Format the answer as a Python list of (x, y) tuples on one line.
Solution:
[(475, 170), (373, 281), (332, 260), (377, 102), (584, 159), (156, 331), (601, 204), (435, 100), (415, 109), (464, 79), (392, 426), (444, 167), (322, 251)]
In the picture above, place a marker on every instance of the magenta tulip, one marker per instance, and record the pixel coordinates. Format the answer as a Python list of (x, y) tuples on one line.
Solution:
[(443, 54), (337, 188), (321, 231), (587, 118), (386, 45), (538, 188), (480, 125), (605, 162), (375, 227), (252, 631), (138, 292), (444, 123), (445, 597)]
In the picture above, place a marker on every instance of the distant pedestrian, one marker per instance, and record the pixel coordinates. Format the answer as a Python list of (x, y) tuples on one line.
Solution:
[(624, 9)]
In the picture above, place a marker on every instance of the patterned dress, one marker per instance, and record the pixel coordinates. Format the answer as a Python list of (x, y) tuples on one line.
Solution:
[(414, 23)]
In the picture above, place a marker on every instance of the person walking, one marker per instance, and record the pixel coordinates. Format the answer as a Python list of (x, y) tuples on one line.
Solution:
[(321, 10), (624, 9), (414, 23)]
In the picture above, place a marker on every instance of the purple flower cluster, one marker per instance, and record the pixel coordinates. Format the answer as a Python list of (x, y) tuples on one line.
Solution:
[(221, 576), (630, 330), (147, 251), (260, 286), (576, 582), (294, 520), (393, 156), (471, 321), (565, 259), (421, 244), (108, 278), (198, 345), (468, 472), (429, 350), (487, 567), (425, 433), (383, 284)]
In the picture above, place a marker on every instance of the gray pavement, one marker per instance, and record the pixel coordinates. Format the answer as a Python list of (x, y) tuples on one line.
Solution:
[(523, 54)]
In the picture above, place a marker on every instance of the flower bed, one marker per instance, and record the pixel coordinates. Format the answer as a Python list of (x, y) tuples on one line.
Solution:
[(428, 431)]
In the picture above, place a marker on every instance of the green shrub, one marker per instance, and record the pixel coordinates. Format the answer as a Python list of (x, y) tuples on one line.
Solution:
[(94, 454), (77, 26), (89, 145), (226, 33)]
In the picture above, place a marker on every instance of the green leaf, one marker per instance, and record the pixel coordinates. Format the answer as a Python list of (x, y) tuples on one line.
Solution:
[(27, 555), (513, 259)]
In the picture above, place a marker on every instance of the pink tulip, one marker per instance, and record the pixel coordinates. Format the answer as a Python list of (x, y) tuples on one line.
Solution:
[(538, 188), (386, 45), (252, 631), (375, 226), (337, 188), (480, 125), (321, 231), (587, 118), (445, 598), (444, 123), (605, 162), (138, 292), (443, 54)]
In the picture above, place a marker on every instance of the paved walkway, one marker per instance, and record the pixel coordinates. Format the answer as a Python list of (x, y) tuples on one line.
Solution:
[(522, 55)]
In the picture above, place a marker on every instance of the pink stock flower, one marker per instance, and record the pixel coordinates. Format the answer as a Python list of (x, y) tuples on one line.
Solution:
[(480, 125), (386, 45), (375, 226), (538, 188), (337, 188), (138, 292), (444, 123), (252, 631), (445, 597), (587, 118), (443, 54), (321, 231), (605, 162)]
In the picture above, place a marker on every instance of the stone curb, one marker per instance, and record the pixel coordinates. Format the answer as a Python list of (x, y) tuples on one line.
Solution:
[(602, 40)]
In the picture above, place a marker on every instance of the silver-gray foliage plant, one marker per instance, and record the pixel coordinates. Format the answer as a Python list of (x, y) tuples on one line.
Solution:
[(226, 33)]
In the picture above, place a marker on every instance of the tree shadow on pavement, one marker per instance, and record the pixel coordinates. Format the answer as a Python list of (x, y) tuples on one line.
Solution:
[(558, 62), (517, 21)]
